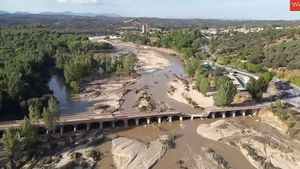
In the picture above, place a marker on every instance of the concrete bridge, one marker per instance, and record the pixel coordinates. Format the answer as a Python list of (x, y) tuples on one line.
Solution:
[(223, 112), (103, 122)]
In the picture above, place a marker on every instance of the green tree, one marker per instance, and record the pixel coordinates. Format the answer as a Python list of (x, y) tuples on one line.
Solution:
[(29, 132), (128, 64), (221, 80), (14, 84), (191, 66), (11, 143), (202, 84), (54, 107), (34, 112), (225, 94), (51, 114), (255, 88), (265, 79), (75, 86), (72, 72), (48, 120), (267, 76)]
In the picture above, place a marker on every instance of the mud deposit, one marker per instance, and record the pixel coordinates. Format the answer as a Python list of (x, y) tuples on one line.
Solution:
[(191, 150)]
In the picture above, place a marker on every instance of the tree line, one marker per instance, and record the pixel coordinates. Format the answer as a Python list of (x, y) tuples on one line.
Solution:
[(75, 66), (21, 142), (26, 56), (269, 48)]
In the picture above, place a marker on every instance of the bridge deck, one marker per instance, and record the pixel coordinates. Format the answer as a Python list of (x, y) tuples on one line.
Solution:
[(90, 118), (222, 109)]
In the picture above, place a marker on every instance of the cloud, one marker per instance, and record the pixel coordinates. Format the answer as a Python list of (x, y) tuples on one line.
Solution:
[(78, 1)]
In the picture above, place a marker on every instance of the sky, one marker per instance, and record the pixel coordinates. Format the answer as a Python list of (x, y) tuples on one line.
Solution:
[(205, 9)]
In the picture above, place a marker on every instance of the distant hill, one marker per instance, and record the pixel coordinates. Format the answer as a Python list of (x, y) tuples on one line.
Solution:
[(80, 14), (106, 23), (68, 13), (3, 12)]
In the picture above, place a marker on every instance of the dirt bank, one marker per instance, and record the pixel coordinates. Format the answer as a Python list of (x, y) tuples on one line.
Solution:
[(262, 148), (185, 93), (269, 118)]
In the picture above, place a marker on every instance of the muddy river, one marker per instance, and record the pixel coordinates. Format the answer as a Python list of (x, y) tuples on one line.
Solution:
[(156, 80), (188, 145)]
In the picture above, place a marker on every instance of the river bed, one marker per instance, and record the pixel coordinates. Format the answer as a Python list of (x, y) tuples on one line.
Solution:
[(188, 145), (156, 79)]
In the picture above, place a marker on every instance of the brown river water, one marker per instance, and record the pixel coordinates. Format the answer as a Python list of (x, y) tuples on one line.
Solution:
[(157, 82), (188, 144)]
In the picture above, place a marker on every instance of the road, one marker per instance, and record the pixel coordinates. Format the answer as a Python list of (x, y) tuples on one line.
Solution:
[(291, 95)]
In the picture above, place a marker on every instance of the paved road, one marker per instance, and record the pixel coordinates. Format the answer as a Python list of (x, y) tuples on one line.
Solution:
[(292, 94)]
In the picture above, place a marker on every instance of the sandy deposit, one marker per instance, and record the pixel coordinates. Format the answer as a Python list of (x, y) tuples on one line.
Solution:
[(66, 157), (133, 154), (206, 159), (269, 118), (108, 91), (262, 149), (180, 94), (150, 61)]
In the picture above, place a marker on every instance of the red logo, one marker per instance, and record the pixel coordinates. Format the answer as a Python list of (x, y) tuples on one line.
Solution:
[(294, 5)]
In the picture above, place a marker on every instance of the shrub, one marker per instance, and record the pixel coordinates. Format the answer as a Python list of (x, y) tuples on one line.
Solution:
[(94, 154)]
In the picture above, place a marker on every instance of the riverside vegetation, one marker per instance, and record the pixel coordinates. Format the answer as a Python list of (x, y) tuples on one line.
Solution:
[(192, 45), (243, 51), (27, 56)]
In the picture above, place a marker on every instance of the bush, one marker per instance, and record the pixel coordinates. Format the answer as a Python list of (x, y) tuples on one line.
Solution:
[(75, 86), (94, 154), (75, 155), (168, 140)]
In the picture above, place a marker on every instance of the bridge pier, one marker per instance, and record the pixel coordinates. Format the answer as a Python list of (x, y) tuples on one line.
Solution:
[(126, 123), (101, 126), (113, 125), (136, 122), (75, 128), (243, 113), (233, 114), (213, 115), (192, 117), (170, 119), (181, 118), (148, 120), (61, 129), (159, 120), (223, 115), (88, 126)]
